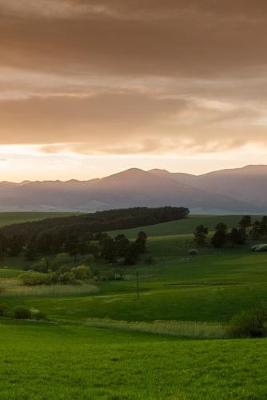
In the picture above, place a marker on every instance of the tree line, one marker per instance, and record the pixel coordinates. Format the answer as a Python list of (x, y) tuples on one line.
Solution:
[(247, 229), (74, 267), (83, 234)]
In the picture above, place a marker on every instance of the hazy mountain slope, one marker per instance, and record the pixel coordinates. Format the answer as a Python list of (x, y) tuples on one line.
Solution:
[(248, 184), (137, 187), (238, 190)]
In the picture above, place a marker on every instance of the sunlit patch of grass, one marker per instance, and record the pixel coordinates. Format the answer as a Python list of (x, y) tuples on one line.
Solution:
[(12, 288), (187, 329), (9, 273)]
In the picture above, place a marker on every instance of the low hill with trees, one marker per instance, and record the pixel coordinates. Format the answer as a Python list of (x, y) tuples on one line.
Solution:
[(76, 233)]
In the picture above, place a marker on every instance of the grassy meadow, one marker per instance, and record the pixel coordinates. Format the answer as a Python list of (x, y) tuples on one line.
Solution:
[(106, 340), (8, 218), (182, 227)]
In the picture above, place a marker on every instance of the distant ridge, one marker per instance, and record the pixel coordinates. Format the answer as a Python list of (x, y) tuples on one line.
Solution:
[(239, 190)]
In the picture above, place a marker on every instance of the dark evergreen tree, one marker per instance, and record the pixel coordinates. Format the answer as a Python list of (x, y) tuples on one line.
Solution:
[(3, 245), (14, 246), (133, 254), (121, 245), (245, 221), (108, 249), (219, 238), (263, 226), (221, 227), (256, 230), (141, 242), (236, 237), (200, 235), (72, 246)]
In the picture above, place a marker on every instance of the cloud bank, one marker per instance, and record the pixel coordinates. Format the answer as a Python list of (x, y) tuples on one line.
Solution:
[(133, 77)]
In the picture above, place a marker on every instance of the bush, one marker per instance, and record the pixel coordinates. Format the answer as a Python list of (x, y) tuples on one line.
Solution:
[(107, 276), (3, 309), (22, 312), (193, 252), (61, 259), (248, 324), (41, 265), (259, 248), (36, 278), (66, 278), (82, 272), (37, 314)]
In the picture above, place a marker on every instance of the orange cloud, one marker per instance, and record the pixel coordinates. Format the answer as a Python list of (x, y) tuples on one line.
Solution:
[(117, 76)]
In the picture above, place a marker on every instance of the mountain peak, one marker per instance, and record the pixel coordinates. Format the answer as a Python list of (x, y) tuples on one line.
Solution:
[(158, 171), (128, 173)]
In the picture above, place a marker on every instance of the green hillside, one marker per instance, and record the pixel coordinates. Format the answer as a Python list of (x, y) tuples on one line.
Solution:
[(72, 362), (8, 218), (183, 226), (106, 340)]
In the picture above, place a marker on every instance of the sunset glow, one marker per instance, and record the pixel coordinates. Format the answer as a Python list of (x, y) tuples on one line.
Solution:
[(88, 87)]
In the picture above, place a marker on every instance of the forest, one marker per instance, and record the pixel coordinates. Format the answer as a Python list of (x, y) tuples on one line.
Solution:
[(79, 234)]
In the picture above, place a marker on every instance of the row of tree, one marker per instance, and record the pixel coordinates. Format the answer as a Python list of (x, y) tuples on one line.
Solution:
[(83, 234), (246, 229), (103, 221), (101, 245)]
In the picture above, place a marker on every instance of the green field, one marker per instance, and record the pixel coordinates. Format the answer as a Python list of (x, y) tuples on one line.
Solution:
[(72, 362), (183, 226), (8, 218), (103, 341)]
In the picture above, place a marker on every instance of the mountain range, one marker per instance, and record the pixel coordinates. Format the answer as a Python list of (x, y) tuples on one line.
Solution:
[(240, 190)]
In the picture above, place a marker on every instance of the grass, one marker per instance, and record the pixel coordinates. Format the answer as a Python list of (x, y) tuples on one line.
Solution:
[(106, 343), (211, 287), (8, 218), (42, 361), (186, 329), (182, 226), (13, 288)]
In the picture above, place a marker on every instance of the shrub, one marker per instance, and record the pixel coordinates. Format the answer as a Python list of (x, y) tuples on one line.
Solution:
[(61, 259), (259, 248), (64, 268), (37, 314), (3, 309), (36, 278), (22, 312), (82, 272), (66, 278), (193, 252), (248, 324), (93, 249), (107, 276), (41, 265)]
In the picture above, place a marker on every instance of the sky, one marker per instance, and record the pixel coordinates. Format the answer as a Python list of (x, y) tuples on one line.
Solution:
[(88, 88)]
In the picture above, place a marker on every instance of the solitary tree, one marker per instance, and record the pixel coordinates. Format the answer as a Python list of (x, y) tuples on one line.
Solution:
[(108, 249), (220, 236), (236, 237), (121, 244), (141, 242), (200, 235), (245, 221)]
